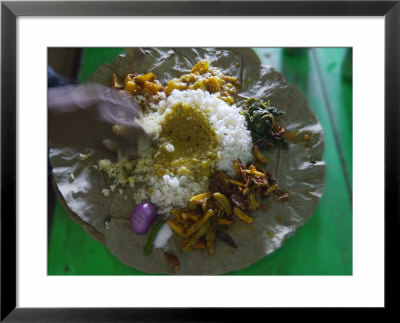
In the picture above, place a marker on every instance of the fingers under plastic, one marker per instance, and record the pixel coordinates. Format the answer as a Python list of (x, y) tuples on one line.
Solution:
[(123, 148)]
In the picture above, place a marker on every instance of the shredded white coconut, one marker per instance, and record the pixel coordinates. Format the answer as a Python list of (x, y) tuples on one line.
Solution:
[(163, 236)]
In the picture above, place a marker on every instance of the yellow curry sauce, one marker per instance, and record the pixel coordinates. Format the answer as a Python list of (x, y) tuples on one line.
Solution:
[(194, 143)]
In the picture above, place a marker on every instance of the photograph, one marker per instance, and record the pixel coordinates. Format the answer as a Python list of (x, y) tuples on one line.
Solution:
[(197, 160), (200, 161)]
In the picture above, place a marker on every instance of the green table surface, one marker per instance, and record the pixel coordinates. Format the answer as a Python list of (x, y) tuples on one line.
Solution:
[(323, 246)]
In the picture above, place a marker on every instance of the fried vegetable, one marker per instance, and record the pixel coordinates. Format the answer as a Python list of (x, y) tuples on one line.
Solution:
[(226, 200), (238, 201), (153, 87), (271, 189), (204, 77), (200, 245), (240, 170), (172, 260), (224, 221), (260, 182), (223, 182), (284, 197), (210, 239), (129, 78), (177, 228), (152, 235), (195, 237), (130, 87), (176, 213), (145, 85), (235, 182), (174, 84), (241, 215), (196, 226), (253, 171), (177, 216), (260, 117), (222, 202), (190, 216), (254, 201), (258, 155), (201, 67), (237, 167), (116, 82), (214, 84), (141, 79), (200, 198), (225, 238)]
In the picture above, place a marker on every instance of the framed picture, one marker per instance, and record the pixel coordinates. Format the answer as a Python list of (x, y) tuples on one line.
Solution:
[(342, 56)]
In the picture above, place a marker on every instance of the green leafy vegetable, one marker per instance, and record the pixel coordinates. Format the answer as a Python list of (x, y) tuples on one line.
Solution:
[(261, 121), (152, 235)]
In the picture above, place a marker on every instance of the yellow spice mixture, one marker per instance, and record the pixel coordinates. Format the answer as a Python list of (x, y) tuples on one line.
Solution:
[(187, 143), (206, 78), (202, 76)]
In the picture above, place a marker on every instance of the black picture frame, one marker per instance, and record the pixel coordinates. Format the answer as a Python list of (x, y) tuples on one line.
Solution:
[(10, 10)]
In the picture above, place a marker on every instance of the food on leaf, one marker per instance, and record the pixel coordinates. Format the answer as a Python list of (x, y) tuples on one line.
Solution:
[(261, 121), (210, 170)]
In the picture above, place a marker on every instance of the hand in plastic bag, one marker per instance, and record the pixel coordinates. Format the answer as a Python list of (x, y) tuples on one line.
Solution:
[(95, 117)]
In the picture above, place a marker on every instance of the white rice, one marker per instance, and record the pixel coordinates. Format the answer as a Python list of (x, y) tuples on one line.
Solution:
[(234, 141), (170, 148)]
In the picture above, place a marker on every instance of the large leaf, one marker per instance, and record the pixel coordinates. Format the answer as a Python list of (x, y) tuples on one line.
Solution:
[(299, 170)]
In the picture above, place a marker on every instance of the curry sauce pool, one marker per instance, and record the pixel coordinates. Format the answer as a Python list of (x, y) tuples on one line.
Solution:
[(188, 143)]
